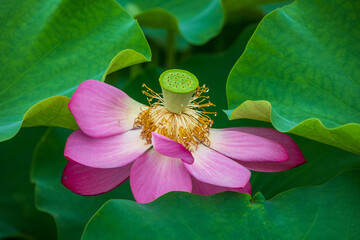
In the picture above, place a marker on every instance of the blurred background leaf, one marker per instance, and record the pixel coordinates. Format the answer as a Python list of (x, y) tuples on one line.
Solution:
[(70, 211), (49, 47), (239, 10), (329, 211), (197, 21), (18, 216), (299, 61)]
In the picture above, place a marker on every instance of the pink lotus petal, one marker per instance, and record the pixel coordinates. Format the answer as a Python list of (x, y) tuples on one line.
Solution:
[(170, 148), (153, 175), (108, 152), (89, 181), (296, 158), (102, 110), (209, 189), (214, 168), (247, 147)]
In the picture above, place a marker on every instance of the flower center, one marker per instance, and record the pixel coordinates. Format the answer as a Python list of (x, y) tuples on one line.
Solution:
[(177, 114)]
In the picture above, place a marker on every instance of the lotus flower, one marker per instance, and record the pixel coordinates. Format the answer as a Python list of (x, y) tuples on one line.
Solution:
[(166, 146)]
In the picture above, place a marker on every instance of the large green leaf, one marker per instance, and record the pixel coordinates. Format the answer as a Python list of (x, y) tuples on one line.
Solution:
[(303, 60), (18, 216), (49, 47), (71, 211), (330, 211), (198, 21)]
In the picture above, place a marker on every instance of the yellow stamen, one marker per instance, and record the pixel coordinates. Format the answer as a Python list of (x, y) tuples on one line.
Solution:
[(190, 127)]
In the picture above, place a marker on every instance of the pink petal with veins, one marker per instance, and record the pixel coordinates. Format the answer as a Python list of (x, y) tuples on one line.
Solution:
[(214, 168), (209, 189), (296, 158), (107, 152), (170, 148), (89, 181), (102, 110), (153, 175), (246, 147)]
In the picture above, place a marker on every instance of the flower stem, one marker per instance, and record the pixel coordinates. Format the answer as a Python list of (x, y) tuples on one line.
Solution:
[(135, 70), (170, 49)]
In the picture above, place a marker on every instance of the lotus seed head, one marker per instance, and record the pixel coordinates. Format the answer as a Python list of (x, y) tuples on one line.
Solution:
[(169, 80)]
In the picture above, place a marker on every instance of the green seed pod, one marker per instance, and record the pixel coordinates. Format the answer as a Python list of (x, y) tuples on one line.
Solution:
[(177, 86)]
